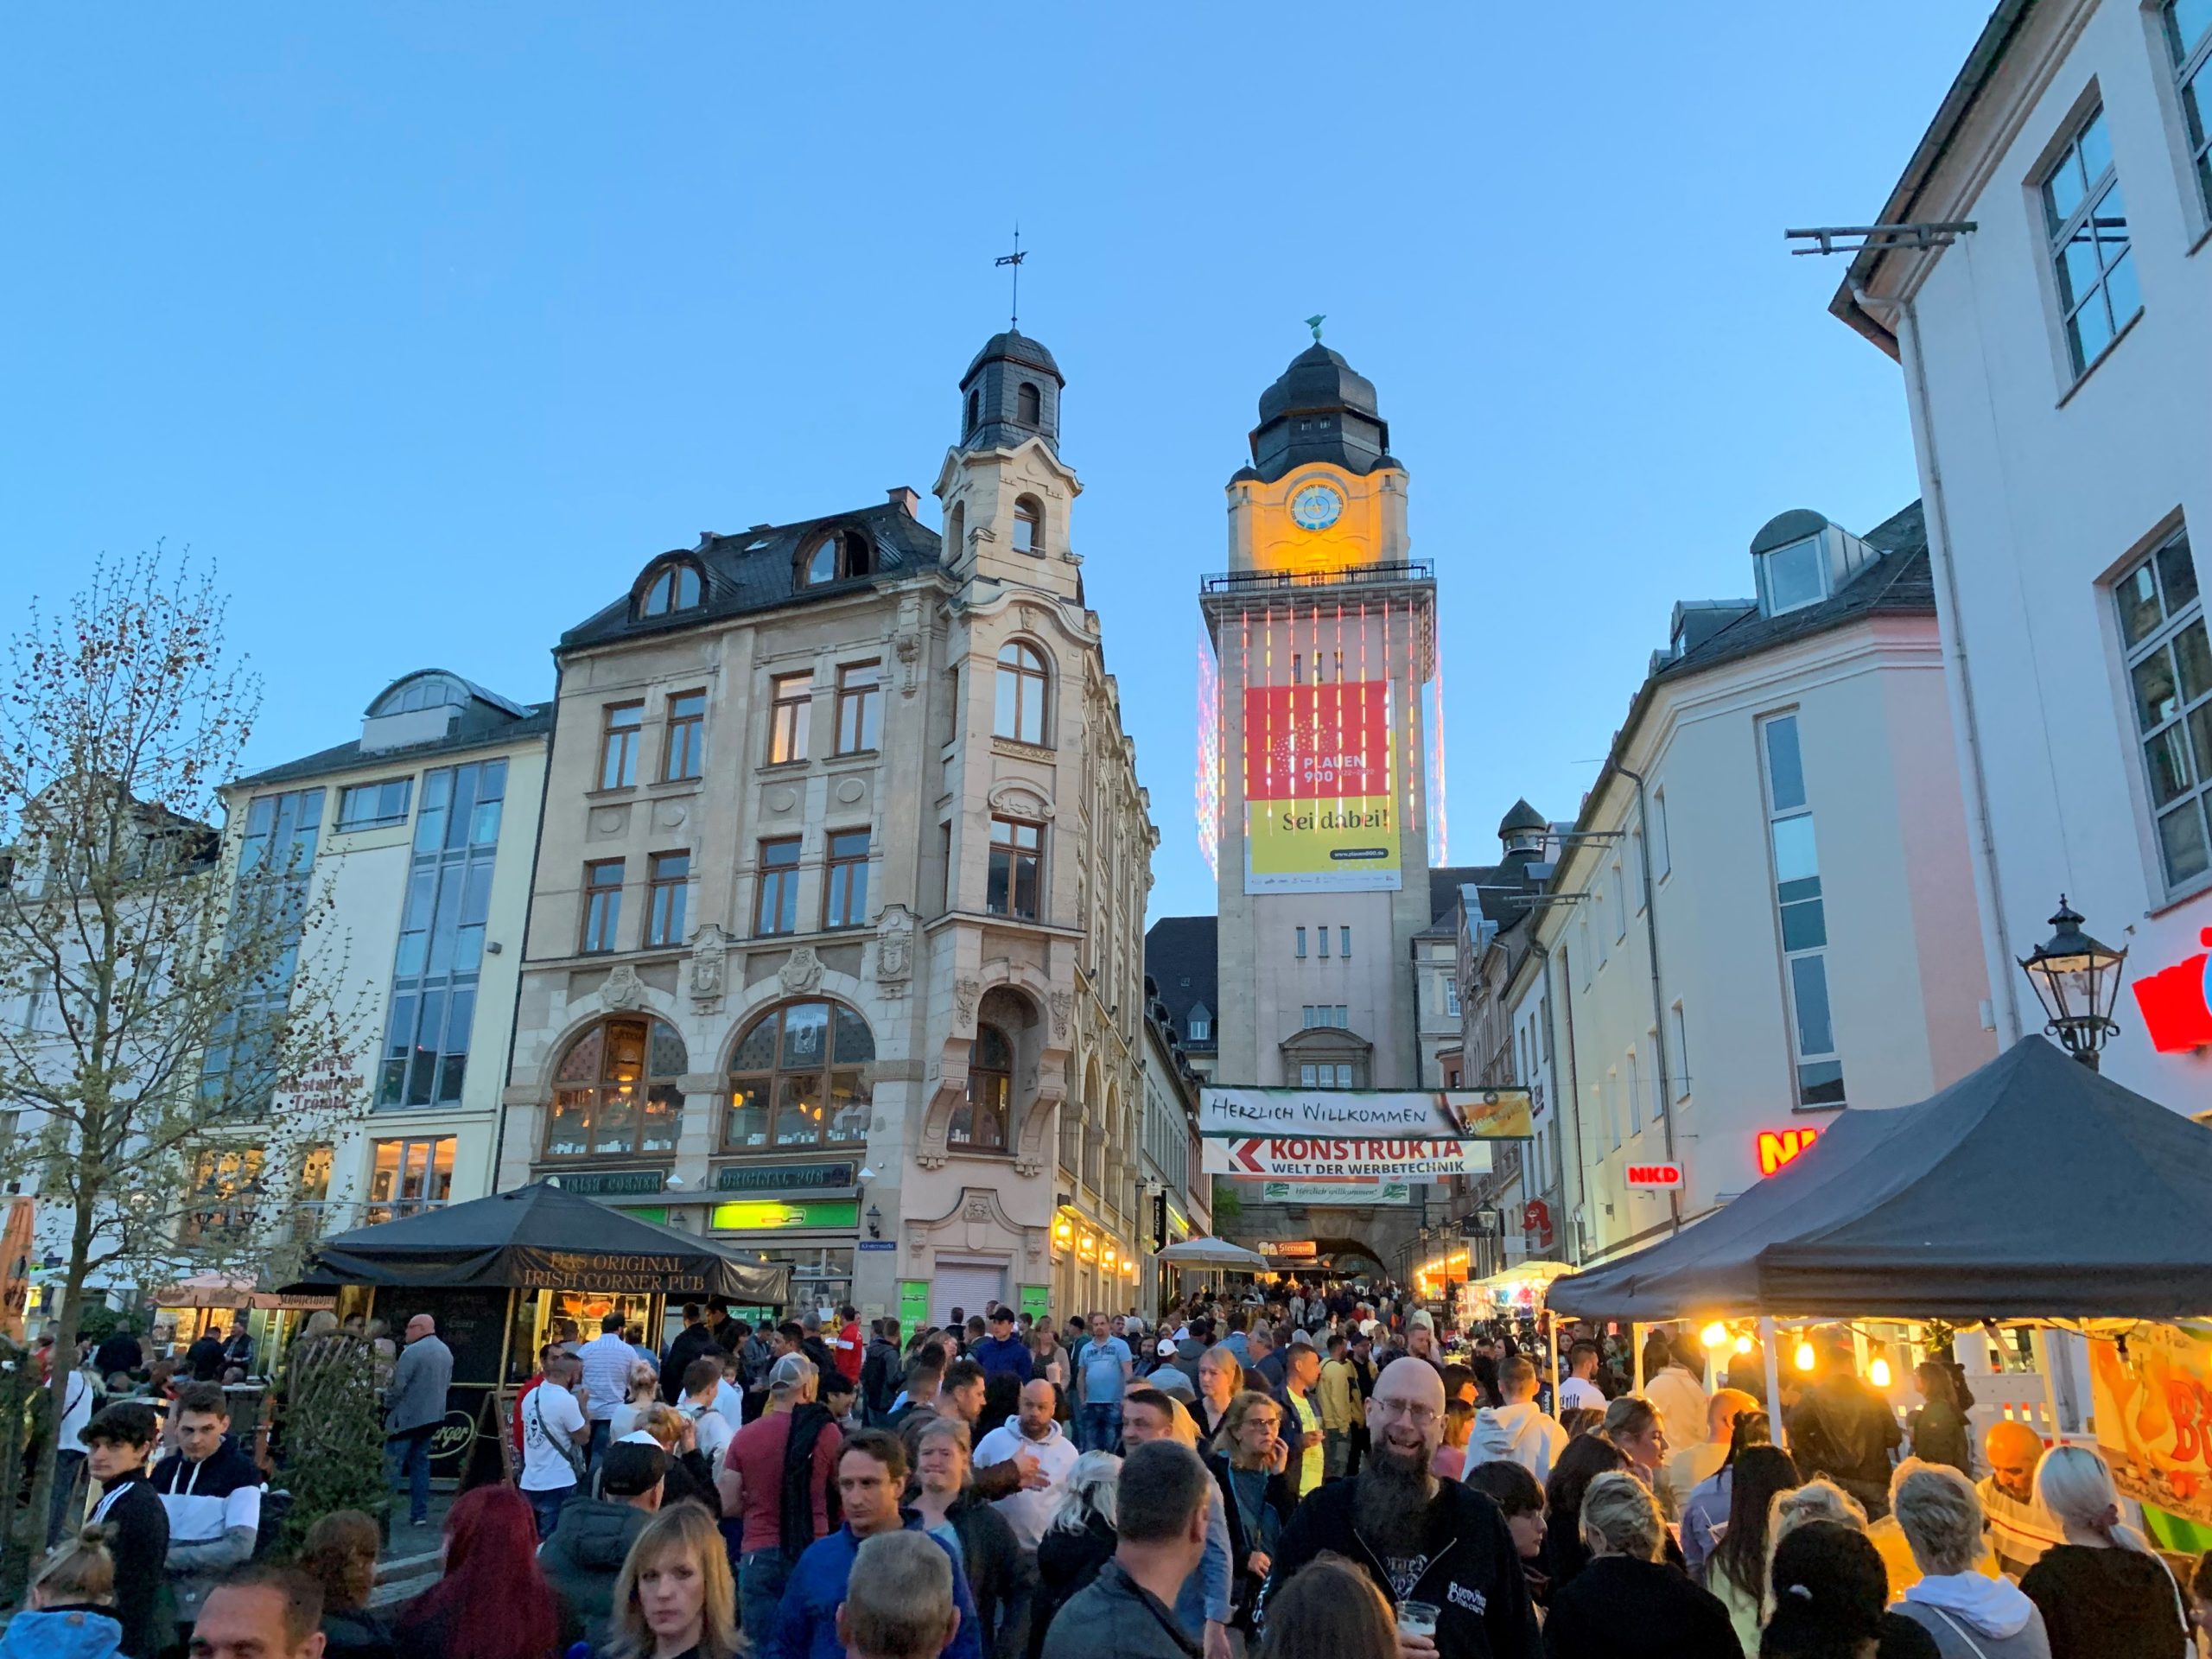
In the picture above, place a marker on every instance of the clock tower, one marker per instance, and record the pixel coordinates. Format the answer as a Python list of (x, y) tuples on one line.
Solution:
[(1322, 634)]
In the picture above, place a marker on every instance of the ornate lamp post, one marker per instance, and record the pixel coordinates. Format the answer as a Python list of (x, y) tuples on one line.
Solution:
[(2077, 981)]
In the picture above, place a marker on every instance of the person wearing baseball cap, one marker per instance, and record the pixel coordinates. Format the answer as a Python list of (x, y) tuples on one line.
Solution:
[(592, 1539), (1002, 1353)]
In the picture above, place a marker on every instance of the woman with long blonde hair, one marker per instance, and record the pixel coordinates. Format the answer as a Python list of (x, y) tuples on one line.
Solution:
[(2104, 1594), (675, 1596)]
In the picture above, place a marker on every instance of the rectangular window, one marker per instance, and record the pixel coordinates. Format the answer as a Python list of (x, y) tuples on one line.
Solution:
[(1614, 1105), (409, 1176), (1662, 859), (225, 1180), (602, 905), (1344, 1074), (1451, 996), (1802, 908), (1679, 1030), (2087, 227), (1201, 1026), (2170, 680), (776, 909), (944, 895), (441, 926), (1635, 868), (790, 699), (1635, 1093), (844, 882), (860, 707), (1309, 1077), (1017, 866), (1619, 895), (1544, 1024), (666, 888), (687, 736), (1344, 940), (375, 806), (1301, 944), (617, 745), (1582, 931), (41, 983), (2188, 37), (1324, 942)]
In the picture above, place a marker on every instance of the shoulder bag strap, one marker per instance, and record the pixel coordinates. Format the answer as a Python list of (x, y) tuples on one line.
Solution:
[(1964, 1635)]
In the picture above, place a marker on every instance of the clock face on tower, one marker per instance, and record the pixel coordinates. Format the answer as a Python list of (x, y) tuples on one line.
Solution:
[(1316, 507)]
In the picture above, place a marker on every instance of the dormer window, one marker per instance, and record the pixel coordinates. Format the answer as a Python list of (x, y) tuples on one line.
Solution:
[(1199, 1023), (1029, 404), (672, 586), (834, 556), (1792, 577)]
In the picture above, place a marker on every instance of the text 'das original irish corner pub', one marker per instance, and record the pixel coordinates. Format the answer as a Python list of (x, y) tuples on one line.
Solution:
[(835, 944)]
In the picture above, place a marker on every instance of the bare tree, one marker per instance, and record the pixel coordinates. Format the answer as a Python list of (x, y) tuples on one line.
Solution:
[(178, 1038)]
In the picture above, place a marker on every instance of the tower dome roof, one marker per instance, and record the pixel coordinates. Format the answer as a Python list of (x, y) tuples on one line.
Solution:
[(1522, 817), (1319, 410), (1318, 378), (1016, 348)]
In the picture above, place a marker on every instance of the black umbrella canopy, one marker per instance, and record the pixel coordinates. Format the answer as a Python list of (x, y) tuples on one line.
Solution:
[(2031, 1188), (538, 1237)]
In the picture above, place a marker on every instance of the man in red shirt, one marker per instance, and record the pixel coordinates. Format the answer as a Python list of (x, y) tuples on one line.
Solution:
[(751, 1485), (851, 1351)]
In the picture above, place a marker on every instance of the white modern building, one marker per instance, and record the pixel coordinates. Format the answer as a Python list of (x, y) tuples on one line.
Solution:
[(2057, 346), (1763, 912), (417, 838)]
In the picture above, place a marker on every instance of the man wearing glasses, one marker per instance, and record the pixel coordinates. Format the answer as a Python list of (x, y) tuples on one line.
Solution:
[(1439, 1550)]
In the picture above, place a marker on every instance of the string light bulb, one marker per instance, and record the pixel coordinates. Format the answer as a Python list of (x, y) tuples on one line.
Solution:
[(1715, 1335), (1804, 1356), (1878, 1373), (1743, 1344)]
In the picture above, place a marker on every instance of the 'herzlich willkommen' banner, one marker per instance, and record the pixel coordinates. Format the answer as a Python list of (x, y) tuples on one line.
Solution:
[(1407, 1113)]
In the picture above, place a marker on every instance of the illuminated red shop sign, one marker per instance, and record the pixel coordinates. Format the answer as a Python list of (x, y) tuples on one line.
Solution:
[(1779, 1146), (2176, 1005)]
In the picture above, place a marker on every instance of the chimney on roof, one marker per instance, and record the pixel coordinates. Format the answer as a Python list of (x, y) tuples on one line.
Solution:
[(905, 499)]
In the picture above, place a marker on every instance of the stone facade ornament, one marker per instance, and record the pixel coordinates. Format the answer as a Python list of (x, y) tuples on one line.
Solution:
[(623, 989), (965, 992), (708, 955), (1061, 1003), (894, 950), (802, 974)]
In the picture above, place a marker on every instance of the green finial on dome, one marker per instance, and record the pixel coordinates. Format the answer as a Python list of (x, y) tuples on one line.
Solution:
[(1314, 322)]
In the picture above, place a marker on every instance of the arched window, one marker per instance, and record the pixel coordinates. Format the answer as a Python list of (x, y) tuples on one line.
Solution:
[(1029, 405), (1022, 686), (956, 533), (797, 1079), (673, 586), (834, 556), (420, 691), (1028, 525), (975, 409), (979, 1121), (615, 1093)]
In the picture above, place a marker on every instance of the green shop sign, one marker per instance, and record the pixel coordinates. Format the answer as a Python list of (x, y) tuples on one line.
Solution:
[(913, 1305), (614, 1183), (757, 1215), (784, 1178)]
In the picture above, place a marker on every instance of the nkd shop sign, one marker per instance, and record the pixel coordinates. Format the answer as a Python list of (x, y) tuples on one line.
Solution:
[(1654, 1175)]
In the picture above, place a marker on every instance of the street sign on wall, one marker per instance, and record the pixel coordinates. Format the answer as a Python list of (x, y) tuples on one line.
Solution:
[(1308, 1158), (1441, 1114)]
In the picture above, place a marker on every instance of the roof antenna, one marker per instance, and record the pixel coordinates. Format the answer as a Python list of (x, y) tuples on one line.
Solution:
[(1314, 322), (1014, 323)]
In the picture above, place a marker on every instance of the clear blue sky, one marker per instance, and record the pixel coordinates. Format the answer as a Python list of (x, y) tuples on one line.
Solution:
[(431, 324)]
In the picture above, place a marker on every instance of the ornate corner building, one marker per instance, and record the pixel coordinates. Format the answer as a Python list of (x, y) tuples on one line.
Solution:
[(836, 943)]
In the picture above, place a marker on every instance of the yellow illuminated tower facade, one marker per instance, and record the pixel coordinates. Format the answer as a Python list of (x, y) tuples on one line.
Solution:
[(1319, 643)]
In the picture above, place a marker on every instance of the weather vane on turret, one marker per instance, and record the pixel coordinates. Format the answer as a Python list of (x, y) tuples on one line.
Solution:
[(1314, 322), (1014, 259)]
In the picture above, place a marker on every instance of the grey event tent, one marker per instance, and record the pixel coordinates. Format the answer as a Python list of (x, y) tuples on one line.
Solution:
[(538, 1237), (2031, 1188)]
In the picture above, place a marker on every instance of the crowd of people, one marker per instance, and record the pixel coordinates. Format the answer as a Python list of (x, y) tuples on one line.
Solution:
[(1303, 1473)]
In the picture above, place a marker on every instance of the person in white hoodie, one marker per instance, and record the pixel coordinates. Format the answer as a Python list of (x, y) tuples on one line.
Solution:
[(1970, 1616), (1516, 1431)]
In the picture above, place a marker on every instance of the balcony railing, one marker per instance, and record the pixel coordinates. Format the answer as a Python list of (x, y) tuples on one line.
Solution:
[(1356, 576)]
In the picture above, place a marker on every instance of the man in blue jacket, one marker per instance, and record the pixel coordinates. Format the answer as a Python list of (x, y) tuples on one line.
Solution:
[(1002, 1350), (871, 1474)]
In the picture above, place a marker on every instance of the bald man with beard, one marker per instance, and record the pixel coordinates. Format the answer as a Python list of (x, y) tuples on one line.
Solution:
[(1418, 1538), (2021, 1529)]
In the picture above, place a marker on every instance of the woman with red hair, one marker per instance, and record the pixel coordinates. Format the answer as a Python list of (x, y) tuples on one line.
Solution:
[(493, 1602)]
